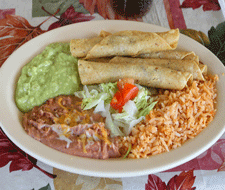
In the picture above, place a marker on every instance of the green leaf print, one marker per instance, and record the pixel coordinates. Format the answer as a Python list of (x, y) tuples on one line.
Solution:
[(52, 6), (47, 187)]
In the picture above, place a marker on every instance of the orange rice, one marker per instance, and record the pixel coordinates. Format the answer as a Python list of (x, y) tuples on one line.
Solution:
[(178, 116)]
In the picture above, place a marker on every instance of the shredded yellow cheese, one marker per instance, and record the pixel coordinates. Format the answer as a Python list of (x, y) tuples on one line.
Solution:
[(72, 118), (59, 102), (104, 136), (83, 140)]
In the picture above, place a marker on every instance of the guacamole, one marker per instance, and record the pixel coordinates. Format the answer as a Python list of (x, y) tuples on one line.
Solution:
[(53, 72)]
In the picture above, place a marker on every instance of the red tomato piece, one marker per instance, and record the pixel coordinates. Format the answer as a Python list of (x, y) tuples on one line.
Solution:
[(122, 82), (117, 102), (129, 92)]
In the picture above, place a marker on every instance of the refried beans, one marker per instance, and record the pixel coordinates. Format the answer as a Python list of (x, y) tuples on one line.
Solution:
[(61, 123)]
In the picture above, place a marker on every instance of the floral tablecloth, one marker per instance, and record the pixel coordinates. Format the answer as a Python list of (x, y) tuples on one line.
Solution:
[(25, 19)]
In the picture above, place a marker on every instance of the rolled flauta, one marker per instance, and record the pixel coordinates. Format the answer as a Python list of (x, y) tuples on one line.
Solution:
[(172, 54), (179, 65), (133, 43), (104, 33), (203, 68), (80, 47), (176, 54), (142, 73)]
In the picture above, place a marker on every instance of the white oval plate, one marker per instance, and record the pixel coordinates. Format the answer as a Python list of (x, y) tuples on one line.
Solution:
[(10, 117)]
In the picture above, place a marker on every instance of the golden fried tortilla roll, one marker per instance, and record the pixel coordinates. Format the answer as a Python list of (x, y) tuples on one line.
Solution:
[(80, 47), (179, 65), (133, 43), (172, 54), (104, 33), (203, 68), (144, 74), (171, 37)]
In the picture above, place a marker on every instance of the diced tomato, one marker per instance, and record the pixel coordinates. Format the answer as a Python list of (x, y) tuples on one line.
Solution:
[(120, 109), (117, 102), (122, 82), (129, 92)]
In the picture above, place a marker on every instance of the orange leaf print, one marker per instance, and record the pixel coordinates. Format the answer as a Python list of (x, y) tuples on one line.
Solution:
[(14, 32)]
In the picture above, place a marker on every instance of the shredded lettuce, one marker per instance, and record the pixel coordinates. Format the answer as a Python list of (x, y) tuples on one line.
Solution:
[(92, 95), (147, 109), (128, 151), (115, 131), (120, 124), (144, 102), (141, 100)]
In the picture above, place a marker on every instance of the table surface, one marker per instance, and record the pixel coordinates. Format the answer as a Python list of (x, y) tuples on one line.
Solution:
[(209, 166)]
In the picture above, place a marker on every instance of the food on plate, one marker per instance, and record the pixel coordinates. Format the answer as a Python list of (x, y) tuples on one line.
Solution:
[(172, 54), (127, 43), (178, 116), (176, 54), (178, 65), (124, 94), (133, 43), (61, 124), (80, 47), (203, 68), (104, 33), (143, 73), (123, 103), (49, 74), (127, 90)]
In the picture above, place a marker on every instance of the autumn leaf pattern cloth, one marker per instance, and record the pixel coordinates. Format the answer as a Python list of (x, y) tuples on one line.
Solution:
[(19, 170)]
